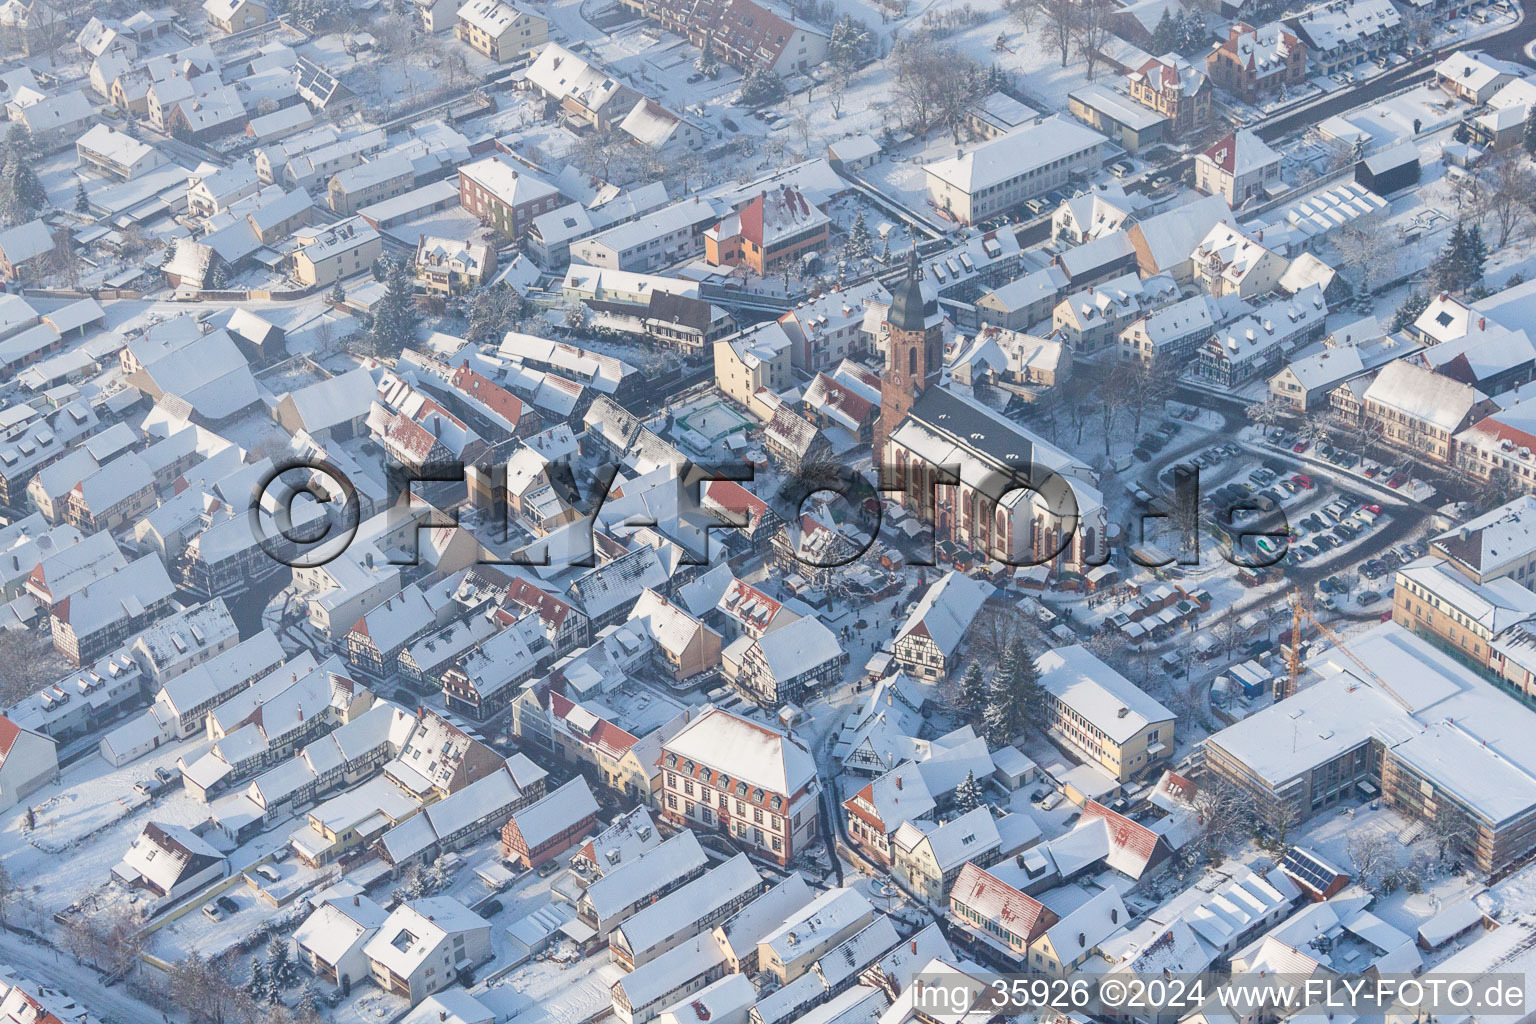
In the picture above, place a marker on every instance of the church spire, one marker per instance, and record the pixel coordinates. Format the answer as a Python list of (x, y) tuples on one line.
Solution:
[(907, 303)]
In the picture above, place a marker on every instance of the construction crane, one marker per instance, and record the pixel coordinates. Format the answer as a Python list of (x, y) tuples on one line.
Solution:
[(1301, 610)]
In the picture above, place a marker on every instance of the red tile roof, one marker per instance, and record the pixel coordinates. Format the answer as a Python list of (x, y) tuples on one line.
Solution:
[(1124, 834), (998, 901)]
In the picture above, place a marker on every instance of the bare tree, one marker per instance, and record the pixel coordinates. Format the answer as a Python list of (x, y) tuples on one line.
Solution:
[(600, 151), (1449, 834), (1149, 385), (1510, 194), (9, 892), (64, 260), (1091, 32), (27, 663), (204, 990), (1371, 854), (1367, 244), (1061, 17), (933, 84), (1469, 193), (993, 632), (802, 128), (1227, 633), (1225, 814), (1074, 398), (47, 29), (1356, 433), (1023, 12), (1269, 411), (837, 89), (1111, 386)]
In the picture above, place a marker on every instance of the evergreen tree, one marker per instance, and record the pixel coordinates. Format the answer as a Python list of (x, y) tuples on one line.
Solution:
[(1030, 698), (282, 971), (971, 697), (1446, 270), (1530, 132), (1017, 700), (22, 196), (132, 129), (338, 294), (858, 238), (396, 317), (848, 45), (1476, 258), (82, 200), (1193, 34), (1166, 37), (217, 277), (307, 1009), (761, 87), (968, 794), (1415, 304), (1459, 267), (885, 250), (997, 718), (260, 985)]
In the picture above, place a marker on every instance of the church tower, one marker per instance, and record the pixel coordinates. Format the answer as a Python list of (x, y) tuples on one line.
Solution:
[(914, 351)]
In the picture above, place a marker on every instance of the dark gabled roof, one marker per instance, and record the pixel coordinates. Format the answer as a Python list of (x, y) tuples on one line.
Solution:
[(679, 309)]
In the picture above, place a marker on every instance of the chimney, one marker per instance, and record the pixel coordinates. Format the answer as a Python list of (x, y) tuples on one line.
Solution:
[(898, 782), (354, 901), (914, 947), (1482, 323)]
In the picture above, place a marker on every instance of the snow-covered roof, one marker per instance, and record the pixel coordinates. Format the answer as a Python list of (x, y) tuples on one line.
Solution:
[(1098, 693), (415, 930), (1423, 395), (1446, 722), (338, 926), (744, 750), (1017, 153), (947, 610)]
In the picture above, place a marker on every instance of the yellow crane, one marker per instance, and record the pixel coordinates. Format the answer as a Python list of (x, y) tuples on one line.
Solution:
[(1300, 611)]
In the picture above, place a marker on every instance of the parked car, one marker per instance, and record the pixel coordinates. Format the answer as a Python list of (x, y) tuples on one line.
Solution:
[(1302, 480), (228, 905), (212, 912), (1396, 482)]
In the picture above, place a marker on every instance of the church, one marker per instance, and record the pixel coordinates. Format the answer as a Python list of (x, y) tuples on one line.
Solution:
[(985, 483)]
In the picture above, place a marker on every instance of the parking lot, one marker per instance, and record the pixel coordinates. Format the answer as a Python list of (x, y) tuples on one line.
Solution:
[(1255, 494)]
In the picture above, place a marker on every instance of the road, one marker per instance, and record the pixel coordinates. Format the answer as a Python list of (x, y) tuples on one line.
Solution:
[(59, 970), (1506, 44)]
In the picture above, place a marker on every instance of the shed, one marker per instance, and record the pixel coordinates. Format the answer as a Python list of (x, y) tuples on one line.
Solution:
[(1012, 767), (1391, 170)]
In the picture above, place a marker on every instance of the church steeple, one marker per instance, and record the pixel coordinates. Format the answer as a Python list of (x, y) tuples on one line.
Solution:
[(914, 350), (907, 303)]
